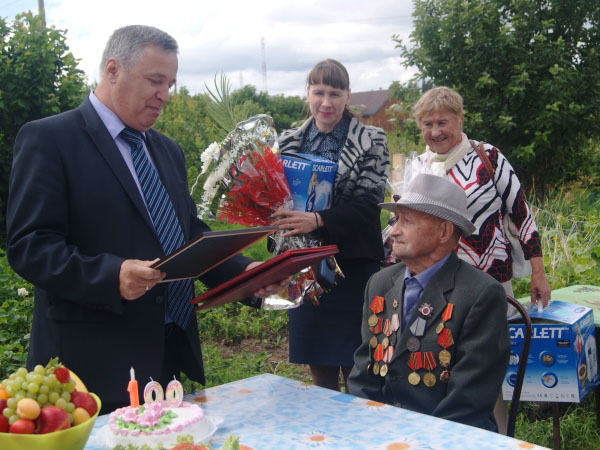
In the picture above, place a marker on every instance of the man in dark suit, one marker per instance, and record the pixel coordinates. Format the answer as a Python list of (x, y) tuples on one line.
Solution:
[(435, 335), (83, 229)]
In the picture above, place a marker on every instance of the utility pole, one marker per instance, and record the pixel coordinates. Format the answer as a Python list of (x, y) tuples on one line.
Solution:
[(264, 64), (42, 12)]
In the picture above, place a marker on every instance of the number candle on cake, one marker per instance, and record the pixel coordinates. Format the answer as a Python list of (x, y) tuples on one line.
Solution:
[(174, 394), (153, 392), (132, 388)]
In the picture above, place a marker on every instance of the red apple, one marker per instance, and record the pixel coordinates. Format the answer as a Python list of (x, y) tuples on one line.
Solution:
[(2, 404), (52, 418), (85, 401), (22, 426), (3, 424), (62, 374)]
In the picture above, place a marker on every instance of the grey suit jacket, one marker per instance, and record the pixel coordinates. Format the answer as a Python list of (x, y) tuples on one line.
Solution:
[(479, 355)]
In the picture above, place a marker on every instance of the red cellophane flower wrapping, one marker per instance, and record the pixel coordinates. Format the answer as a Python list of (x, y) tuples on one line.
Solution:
[(258, 190)]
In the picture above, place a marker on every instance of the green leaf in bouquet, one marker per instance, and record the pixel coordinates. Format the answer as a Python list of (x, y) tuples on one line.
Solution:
[(221, 107)]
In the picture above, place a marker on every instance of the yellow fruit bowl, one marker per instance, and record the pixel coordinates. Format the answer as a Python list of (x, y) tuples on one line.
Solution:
[(73, 438)]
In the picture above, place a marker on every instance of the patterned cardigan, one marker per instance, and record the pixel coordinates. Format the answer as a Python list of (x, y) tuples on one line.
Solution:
[(352, 222), (488, 248)]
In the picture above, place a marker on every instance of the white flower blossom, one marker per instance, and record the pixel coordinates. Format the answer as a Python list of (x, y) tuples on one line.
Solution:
[(22, 292), (208, 155)]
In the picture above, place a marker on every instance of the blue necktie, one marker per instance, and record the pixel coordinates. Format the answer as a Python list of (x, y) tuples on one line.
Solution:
[(412, 292), (166, 225)]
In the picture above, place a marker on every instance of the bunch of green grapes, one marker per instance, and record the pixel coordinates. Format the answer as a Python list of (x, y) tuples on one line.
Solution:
[(41, 385)]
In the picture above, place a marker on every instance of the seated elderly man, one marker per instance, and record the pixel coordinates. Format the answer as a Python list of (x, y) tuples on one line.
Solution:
[(434, 331)]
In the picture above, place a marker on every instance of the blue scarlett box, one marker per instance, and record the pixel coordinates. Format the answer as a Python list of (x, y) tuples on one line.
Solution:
[(310, 179), (563, 363)]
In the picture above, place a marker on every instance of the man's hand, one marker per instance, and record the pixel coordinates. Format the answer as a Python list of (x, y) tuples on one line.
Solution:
[(272, 288), (296, 222), (136, 278)]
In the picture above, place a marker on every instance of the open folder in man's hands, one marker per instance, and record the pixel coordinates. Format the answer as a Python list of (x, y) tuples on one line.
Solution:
[(207, 251), (269, 272)]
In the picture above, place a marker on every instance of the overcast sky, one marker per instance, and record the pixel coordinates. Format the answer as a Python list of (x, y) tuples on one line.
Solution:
[(225, 35)]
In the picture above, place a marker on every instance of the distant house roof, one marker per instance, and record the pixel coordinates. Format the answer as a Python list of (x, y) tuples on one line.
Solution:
[(371, 100)]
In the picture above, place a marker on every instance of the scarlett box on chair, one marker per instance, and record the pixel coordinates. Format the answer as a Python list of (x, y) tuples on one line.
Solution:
[(269, 272), (562, 364)]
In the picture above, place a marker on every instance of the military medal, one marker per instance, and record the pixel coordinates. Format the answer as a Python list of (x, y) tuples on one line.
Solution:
[(372, 320), (376, 368), (383, 370), (429, 364), (385, 342), (373, 342), (445, 376), (445, 340), (413, 344), (376, 306), (425, 310), (393, 340), (446, 315), (395, 303), (378, 327), (415, 362)]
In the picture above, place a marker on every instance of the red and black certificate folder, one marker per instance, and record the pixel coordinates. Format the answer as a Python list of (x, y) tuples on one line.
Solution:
[(207, 251), (269, 272)]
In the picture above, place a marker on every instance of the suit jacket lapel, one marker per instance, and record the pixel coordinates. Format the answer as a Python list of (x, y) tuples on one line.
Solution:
[(106, 146)]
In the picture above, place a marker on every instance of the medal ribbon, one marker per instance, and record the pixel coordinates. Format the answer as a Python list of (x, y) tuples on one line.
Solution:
[(429, 361), (445, 338), (377, 304), (389, 352), (415, 361), (447, 314), (395, 322), (387, 327), (378, 356)]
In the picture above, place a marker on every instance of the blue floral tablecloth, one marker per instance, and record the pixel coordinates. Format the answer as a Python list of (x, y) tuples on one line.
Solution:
[(272, 412)]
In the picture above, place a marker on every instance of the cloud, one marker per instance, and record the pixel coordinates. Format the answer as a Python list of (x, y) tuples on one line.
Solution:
[(225, 36)]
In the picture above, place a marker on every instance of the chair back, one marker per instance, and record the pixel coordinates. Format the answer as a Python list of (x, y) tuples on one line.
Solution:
[(516, 397)]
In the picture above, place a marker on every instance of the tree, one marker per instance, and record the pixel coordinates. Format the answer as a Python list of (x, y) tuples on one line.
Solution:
[(529, 73), (38, 78), (284, 110)]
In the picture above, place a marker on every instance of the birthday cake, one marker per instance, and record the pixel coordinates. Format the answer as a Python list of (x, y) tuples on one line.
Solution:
[(157, 423)]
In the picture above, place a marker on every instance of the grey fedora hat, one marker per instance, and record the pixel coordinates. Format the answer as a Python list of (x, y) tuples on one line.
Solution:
[(438, 197)]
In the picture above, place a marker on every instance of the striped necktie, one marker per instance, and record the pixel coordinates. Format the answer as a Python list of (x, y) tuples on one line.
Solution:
[(166, 225)]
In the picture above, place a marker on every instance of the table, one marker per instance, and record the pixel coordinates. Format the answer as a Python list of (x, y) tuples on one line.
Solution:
[(271, 412), (585, 295)]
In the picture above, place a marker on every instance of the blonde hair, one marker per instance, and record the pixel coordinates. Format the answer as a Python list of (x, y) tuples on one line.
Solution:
[(438, 99)]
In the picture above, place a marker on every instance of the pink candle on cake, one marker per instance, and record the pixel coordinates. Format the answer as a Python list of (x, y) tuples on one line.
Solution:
[(174, 394)]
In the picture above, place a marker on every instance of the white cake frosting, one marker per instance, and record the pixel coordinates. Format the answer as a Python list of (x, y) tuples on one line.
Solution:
[(156, 423)]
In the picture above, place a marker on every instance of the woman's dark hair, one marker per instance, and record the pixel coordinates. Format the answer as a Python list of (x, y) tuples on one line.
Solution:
[(331, 73)]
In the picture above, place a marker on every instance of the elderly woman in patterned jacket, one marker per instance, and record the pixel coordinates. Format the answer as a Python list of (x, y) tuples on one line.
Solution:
[(326, 336), (450, 153)]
